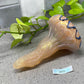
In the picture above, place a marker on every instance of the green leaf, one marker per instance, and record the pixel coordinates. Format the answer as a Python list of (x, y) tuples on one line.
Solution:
[(29, 23), (59, 3), (25, 25), (57, 10), (44, 11), (76, 5), (43, 18), (83, 4), (75, 11), (25, 19), (20, 22), (31, 17), (14, 28), (76, 8), (26, 28), (15, 42), (71, 2)]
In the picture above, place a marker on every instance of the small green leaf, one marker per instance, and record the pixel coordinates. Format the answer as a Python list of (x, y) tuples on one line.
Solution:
[(71, 2), (52, 13), (24, 19), (14, 28), (15, 42), (44, 12), (59, 3), (75, 11), (76, 5), (76, 8), (83, 4), (29, 23), (20, 22), (25, 25), (26, 28), (31, 17), (57, 10), (43, 18)]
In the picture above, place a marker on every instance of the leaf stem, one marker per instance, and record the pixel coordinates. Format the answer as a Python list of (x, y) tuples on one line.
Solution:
[(16, 32), (34, 27), (30, 38), (42, 27), (75, 17), (2, 34), (33, 34), (38, 23), (29, 41)]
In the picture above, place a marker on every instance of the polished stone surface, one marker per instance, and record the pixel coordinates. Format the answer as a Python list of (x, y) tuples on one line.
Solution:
[(41, 74)]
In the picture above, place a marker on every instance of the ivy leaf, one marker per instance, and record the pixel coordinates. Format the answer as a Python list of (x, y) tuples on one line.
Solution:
[(15, 42), (42, 17), (31, 17), (29, 23), (25, 19), (20, 22), (75, 11), (44, 11), (76, 6), (59, 3), (71, 2), (57, 10), (83, 4), (26, 28), (14, 28)]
